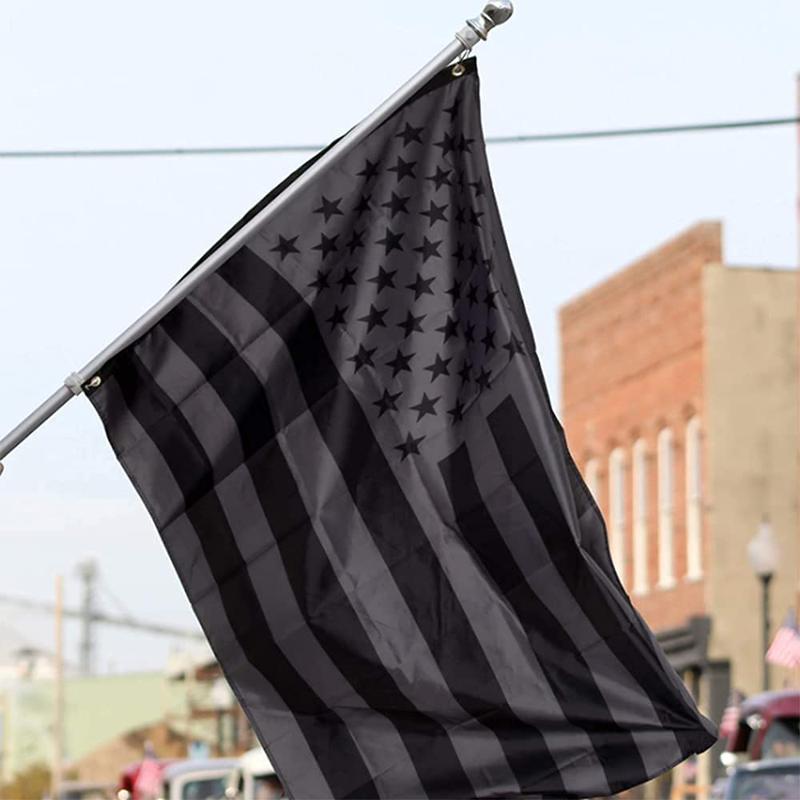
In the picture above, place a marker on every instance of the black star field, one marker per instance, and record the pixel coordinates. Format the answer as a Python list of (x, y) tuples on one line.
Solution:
[(401, 277)]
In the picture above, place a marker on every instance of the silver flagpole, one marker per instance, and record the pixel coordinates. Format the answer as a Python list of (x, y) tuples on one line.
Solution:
[(496, 12)]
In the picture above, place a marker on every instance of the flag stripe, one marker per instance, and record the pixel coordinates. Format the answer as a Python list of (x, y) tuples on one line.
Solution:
[(358, 564), (327, 735), (376, 737), (527, 472), (629, 706), (399, 536), (324, 604), (564, 667)]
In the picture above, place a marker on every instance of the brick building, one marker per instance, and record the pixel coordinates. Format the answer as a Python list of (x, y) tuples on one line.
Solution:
[(680, 404)]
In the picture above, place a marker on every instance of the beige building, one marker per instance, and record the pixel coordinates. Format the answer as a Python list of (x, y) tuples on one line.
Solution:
[(680, 404)]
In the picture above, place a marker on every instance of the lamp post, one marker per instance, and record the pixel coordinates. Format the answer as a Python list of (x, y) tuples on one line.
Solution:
[(762, 551)]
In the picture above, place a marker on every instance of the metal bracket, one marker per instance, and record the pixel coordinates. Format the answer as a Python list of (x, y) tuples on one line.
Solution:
[(74, 383)]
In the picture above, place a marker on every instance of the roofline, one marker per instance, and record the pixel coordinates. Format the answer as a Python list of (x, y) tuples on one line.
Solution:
[(710, 230)]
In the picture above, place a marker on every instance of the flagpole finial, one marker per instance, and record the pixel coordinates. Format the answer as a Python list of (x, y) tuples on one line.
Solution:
[(494, 13)]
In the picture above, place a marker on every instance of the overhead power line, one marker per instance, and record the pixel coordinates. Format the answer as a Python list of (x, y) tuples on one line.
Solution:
[(150, 152), (107, 619)]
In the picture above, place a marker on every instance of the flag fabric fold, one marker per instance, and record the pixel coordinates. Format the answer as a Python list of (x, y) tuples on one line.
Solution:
[(344, 438)]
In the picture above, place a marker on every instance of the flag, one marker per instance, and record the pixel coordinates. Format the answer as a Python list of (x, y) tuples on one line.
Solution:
[(785, 648), (344, 438), (731, 715)]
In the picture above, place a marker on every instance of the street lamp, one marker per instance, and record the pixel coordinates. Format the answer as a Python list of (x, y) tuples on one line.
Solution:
[(762, 551)]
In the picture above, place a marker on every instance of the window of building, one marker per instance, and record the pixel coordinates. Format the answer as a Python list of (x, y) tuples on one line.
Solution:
[(640, 576), (666, 504), (616, 507), (694, 518), (591, 475)]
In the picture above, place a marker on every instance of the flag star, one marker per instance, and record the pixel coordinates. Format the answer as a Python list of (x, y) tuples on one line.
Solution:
[(439, 367), (384, 279), (387, 402), (410, 134), (465, 373), (484, 379), (464, 144), (403, 169), (458, 253), (435, 213), (448, 144), (489, 299), (321, 281), (473, 256), (391, 241), (411, 324), (454, 291), (428, 249), (329, 208), (396, 205), (337, 317), (370, 170), (347, 278), (459, 215), (409, 447), (450, 328), (363, 357), (400, 362), (285, 246), (457, 412), (479, 187), (472, 294), (427, 405), (364, 205), (356, 241), (469, 332), (453, 109), (374, 318), (488, 341), (421, 286), (514, 347), (327, 245), (475, 216), (440, 177)]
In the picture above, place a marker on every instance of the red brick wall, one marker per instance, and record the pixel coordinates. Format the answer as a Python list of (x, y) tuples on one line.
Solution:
[(632, 363)]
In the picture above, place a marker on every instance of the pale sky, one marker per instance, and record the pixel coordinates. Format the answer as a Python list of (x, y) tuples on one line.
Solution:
[(87, 245)]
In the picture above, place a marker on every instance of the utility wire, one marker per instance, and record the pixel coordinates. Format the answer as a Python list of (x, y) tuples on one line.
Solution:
[(149, 152)]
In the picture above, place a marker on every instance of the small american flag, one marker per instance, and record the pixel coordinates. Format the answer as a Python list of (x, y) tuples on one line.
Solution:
[(785, 648), (730, 717)]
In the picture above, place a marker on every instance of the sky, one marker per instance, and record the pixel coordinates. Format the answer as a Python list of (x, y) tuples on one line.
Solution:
[(87, 245)]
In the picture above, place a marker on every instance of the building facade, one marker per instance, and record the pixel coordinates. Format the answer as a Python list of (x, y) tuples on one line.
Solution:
[(680, 405)]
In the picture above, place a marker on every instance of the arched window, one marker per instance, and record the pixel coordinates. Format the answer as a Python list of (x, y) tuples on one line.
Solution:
[(640, 543), (694, 509), (616, 510), (591, 474), (666, 505)]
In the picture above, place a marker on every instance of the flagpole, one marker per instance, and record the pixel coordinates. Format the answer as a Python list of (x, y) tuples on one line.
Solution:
[(496, 12)]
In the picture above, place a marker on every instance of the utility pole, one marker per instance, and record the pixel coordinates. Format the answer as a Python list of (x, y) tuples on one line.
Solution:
[(58, 715), (87, 572)]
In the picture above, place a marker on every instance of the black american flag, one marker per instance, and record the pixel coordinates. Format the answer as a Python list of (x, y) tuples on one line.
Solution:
[(345, 441)]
